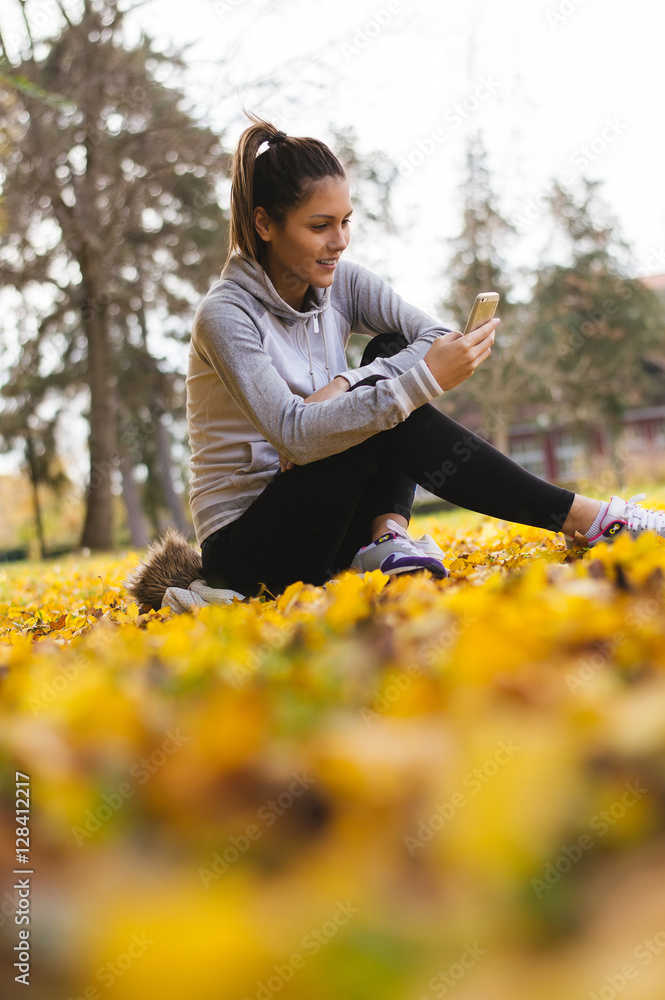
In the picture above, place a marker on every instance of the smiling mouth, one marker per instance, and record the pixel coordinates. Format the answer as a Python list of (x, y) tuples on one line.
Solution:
[(328, 262)]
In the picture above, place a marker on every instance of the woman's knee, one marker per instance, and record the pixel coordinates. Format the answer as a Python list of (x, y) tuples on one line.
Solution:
[(383, 345)]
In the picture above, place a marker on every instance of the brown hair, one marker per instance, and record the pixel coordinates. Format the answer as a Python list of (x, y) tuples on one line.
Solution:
[(279, 180)]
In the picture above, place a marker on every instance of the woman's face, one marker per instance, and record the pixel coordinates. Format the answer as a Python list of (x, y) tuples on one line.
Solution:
[(318, 230)]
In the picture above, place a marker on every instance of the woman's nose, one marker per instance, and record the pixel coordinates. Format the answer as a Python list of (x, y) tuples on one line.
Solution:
[(337, 241)]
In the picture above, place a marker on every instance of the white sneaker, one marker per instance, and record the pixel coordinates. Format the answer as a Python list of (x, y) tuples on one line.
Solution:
[(625, 515), (395, 552), (426, 543)]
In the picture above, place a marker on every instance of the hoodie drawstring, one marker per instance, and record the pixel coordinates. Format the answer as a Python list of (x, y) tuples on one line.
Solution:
[(250, 276), (325, 348)]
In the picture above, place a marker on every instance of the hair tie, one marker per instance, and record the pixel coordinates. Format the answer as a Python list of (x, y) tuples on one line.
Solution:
[(272, 141)]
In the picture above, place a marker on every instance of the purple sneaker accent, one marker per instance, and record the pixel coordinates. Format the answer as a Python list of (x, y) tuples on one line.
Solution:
[(392, 554), (394, 563)]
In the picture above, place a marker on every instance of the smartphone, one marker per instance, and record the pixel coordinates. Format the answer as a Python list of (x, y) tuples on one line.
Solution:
[(482, 311)]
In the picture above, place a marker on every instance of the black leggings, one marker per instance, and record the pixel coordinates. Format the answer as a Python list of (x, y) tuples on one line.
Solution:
[(309, 522)]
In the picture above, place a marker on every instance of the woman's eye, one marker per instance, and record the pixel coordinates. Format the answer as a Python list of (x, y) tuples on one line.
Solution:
[(324, 224)]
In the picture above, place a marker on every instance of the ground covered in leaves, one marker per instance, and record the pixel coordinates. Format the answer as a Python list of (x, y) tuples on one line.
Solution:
[(382, 789)]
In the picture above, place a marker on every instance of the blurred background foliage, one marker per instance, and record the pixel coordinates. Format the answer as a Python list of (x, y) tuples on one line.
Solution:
[(114, 226)]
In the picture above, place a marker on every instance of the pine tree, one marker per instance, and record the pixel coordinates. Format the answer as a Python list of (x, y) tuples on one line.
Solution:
[(592, 325), (128, 197), (110, 206), (478, 265)]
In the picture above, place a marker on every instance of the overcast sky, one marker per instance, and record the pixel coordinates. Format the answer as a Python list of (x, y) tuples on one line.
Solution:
[(557, 87)]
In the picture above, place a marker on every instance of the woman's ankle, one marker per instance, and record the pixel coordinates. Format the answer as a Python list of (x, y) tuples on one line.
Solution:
[(379, 526), (581, 515)]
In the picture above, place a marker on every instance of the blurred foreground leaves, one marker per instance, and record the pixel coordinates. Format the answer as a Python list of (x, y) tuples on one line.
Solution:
[(382, 788)]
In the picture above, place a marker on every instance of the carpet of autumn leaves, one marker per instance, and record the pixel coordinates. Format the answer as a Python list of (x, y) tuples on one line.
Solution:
[(381, 789)]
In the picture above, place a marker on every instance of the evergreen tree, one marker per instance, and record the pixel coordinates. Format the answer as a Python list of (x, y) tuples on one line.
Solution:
[(111, 209), (109, 205), (592, 326), (371, 179), (478, 265)]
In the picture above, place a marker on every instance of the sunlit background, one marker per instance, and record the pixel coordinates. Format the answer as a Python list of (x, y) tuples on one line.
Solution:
[(380, 790)]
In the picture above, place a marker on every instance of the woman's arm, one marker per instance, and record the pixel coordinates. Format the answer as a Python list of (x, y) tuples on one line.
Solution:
[(226, 337), (372, 306), (334, 388)]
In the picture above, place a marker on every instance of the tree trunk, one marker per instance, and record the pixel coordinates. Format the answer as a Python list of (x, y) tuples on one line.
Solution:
[(164, 469), (501, 434), (98, 526), (34, 479), (617, 462), (138, 528)]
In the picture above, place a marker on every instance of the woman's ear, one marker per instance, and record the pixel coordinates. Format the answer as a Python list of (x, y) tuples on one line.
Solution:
[(262, 223)]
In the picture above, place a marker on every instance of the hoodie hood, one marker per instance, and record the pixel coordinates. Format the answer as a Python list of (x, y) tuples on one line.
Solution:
[(250, 276)]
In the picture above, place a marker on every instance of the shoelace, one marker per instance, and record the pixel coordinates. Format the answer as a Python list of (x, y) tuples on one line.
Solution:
[(402, 533), (425, 545), (639, 518)]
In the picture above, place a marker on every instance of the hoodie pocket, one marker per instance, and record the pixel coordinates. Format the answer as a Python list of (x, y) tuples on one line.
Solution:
[(262, 461)]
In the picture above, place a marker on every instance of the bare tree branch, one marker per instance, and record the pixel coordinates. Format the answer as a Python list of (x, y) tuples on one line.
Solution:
[(64, 13), (27, 28), (4, 58)]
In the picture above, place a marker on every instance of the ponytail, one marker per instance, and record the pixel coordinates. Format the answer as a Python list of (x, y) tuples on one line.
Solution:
[(278, 178)]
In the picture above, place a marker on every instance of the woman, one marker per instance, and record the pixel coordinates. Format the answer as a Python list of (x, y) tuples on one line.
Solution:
[(301, 468)]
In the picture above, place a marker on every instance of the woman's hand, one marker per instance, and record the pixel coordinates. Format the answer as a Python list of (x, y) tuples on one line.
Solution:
[(335, 388), (454, 357)]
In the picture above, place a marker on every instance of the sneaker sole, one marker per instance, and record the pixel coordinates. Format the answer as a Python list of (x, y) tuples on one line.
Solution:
[(393, 564)]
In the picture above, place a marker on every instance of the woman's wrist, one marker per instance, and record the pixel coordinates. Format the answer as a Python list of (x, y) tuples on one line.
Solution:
[(338, 386)]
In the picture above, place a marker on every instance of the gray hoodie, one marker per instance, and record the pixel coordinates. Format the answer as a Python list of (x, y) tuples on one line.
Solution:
[(252, 361)]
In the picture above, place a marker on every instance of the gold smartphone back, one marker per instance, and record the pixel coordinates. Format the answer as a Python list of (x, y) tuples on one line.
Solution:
[(482, 311)]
